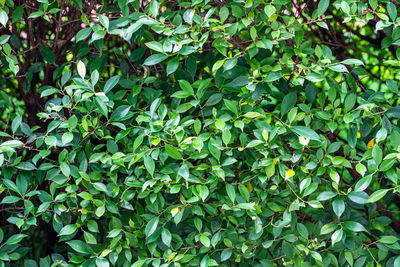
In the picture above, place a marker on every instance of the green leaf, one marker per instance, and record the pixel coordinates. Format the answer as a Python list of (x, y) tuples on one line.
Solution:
[(214, 99), (392, 85), (184, 171), (226, 136), (154, 6), (92, 226), (17, 14), (349, 102), (232, 106), (172, 65), (10, 199), (322, 6), (80, 247), (338, 206), (49, 91), (393, 112), (104, 21), (328, 228), (181, 94), (244, 192), (254, 143), (377, 154), (155, 46), (203, 192), (149, 164), (16, 122), (230, 63), (273, 76), (113, 233), (205, 240), (238, 82), (166, 237), (101, 106), (173, 152), (363, 183), (67, 138), (4, 38), (338, 68), (354, 226), (231, 192), (269, 10), (47, 54), (317, 257), (139, 263), (198, 143), (392, 10), (198, 223), (81, 69), (302, 230), (358, 197), (185, 85), (100, 187), (310, 92), (3, 17), (223, 13), (110, 84), (226, 254), (26, 166), (352, 61), (361, 169), (138, 141), (397, 261), (306, 132), (83, 34), (120, 113), (155, 59), (94, 77), (64, 167), (377, 195), (388, 239), (10, 185), (15, 239), (245, 206), (326, 195), (252, 115), (68, 230), (12, 143), (314, 76), (288, 103), (151, 226), (337, 236)]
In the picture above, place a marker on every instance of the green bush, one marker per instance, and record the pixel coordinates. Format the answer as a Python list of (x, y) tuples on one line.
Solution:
[(199, 133)]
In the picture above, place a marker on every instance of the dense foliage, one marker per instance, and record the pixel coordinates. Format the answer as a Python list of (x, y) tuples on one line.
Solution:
[(199, 133)]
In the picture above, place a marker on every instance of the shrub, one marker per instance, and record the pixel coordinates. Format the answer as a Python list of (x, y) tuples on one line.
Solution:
[(199, 133)]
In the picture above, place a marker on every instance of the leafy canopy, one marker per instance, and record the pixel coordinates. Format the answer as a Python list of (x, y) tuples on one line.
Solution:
[(199, 133)]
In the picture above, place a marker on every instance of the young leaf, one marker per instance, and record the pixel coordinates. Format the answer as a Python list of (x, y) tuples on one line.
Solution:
[(81, 69)]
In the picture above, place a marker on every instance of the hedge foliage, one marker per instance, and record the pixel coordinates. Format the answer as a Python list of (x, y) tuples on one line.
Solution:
[(199, 133)]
